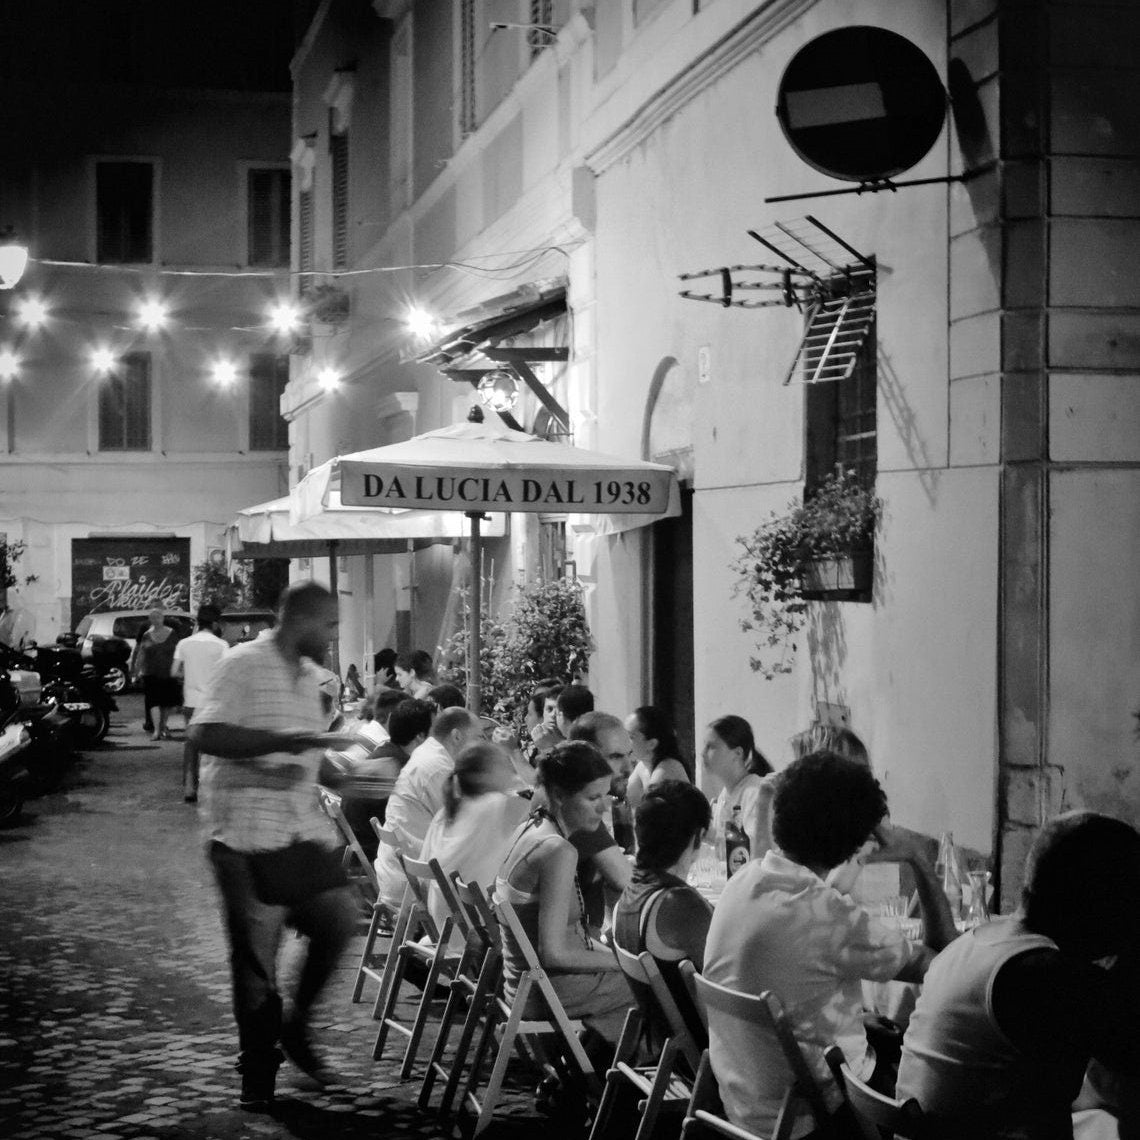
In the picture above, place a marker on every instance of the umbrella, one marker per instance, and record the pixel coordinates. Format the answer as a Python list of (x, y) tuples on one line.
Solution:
[(478, 467), (265, 531)]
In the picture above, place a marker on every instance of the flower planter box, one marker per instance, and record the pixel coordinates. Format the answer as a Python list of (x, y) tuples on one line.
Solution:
[(840, 575)]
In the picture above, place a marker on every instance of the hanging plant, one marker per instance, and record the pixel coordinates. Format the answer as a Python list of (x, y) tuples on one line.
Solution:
[(820, 547), (328, 304)]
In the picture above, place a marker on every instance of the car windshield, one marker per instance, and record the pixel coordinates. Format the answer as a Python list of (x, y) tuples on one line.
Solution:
[(131, 627), (84, 626)]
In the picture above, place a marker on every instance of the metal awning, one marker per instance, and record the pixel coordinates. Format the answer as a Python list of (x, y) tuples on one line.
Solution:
[(469, 352)]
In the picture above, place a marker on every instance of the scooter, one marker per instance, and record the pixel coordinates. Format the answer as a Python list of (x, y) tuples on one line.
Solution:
[(69, 683), (36, 746)]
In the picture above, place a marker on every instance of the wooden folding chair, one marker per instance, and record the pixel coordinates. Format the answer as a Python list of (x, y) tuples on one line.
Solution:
[(507, 1019), (766, 1011), (474, 986), (705, 1112), (879, 1117), (660, 1086), (433, 954), (361, 872), (380, 925)]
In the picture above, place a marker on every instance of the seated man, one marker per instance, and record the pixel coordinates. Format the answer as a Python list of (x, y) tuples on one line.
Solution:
[(1011, 1014), (786, 923), (602, 866), (659, 911), (408, 726), (419, 794)]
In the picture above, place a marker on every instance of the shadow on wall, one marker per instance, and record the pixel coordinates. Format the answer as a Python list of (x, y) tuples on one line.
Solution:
[(827, 651), (906, 425)]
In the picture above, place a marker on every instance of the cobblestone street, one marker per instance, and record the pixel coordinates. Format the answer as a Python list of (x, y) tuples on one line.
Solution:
[(114, 1008)]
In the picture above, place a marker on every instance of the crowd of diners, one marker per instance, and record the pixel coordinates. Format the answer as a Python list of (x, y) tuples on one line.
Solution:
[(1025, 1026)]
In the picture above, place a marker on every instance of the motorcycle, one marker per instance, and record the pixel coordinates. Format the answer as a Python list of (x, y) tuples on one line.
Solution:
[(69, 683), (36, 745)]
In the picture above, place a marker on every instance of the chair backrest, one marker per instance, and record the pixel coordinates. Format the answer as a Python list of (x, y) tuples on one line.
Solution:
[(688, 974), (473, 901), (876, 1115), (386, 836), (331, 803), (766, 1011), (455, 908), (420, 877), (644, 975)]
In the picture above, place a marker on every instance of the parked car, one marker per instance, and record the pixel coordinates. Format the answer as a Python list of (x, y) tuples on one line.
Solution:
[(108, 639), (245, 625)]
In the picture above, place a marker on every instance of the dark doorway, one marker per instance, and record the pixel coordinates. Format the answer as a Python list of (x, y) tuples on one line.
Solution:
[(672, 633)]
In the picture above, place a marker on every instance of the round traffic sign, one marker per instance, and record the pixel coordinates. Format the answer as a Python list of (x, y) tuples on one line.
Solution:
[(861, 103)]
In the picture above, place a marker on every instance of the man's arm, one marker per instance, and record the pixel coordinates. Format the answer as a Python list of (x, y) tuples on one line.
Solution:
[(905, 847), (233, 742)]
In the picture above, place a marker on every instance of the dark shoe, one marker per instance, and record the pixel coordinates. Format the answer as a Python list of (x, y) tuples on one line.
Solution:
[(148, 726), (190, 799), (299, 1049), (256, 1093)]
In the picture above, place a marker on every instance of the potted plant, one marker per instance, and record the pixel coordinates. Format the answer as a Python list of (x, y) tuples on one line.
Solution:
[(820, 548), (328, 304)]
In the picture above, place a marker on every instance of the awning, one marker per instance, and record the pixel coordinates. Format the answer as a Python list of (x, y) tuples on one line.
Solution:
[(264, 530)]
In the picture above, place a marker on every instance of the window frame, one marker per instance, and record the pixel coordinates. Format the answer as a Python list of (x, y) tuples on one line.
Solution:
[(340, 160), (246, 172), (146, 417), (280, 363), (155, 164)]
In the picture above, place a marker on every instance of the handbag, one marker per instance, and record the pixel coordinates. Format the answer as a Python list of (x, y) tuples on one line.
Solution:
[(294, 874)]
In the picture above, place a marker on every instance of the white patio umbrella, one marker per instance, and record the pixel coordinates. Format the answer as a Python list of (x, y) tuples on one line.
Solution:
[(478, 467)]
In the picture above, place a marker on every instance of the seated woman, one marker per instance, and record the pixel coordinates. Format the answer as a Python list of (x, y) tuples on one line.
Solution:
[(786, 923), (538, 878), (659, 911), (656, 752), (414, 673), (731, 755), (470, 833), (1012, 1012)]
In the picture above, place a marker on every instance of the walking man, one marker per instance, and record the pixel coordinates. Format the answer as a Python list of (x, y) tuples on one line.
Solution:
[(261, 732), (195, 659)]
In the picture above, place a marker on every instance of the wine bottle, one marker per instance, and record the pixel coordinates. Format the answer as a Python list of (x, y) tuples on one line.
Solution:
[(737, 849)]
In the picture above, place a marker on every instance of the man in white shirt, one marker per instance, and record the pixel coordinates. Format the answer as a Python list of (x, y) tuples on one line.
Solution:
[(195, 659), (418, 794)]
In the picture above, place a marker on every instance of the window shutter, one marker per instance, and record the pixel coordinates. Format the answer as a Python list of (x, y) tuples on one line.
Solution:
[(338, 152), (305, 238), (467, 62), (268, 375), (124, 195), (124, 405), (268, 214)]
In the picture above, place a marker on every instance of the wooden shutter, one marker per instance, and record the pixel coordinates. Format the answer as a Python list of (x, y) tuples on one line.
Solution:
[(338, 154), (124, 197), (268, 217), (268, 375)]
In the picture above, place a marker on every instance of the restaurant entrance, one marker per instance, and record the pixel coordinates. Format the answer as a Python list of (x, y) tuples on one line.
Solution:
[(672, 632)]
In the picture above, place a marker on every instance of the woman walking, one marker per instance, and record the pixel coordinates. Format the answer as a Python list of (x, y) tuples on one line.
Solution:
[(151, 662)]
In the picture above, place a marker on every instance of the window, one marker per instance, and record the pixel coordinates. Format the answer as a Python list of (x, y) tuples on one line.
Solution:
[(468, 58), (541, 16), (305, 240), (551, 547), (267, 213), (124, 405), (400, 168), (124, 205), (842, 420), (338, 160), (268, 375)]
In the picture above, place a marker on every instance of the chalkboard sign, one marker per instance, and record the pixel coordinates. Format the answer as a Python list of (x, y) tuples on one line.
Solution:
[(128, 574), (861, 103)]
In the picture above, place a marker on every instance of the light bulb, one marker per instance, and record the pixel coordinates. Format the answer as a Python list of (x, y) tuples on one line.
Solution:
[(284, 317), (153, 314), (328, 379), (420, 322), (31, 312), (9, 364), (102, 359), (225, 373)]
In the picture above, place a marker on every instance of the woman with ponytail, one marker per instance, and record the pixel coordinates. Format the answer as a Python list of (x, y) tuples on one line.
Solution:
[(656, 750), (470, 833), (539, 879), (730, 754)]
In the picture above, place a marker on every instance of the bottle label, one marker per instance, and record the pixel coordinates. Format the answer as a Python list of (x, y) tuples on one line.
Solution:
[(737, 857)]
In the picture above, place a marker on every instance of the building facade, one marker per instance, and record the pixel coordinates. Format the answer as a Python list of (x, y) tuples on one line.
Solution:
[(140, 402), (500, 150)]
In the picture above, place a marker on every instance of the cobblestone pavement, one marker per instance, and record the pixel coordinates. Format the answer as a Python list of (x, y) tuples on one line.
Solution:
[(114, 997)]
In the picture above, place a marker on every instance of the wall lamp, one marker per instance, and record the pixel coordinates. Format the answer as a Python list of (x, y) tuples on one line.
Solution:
[(13, 259)]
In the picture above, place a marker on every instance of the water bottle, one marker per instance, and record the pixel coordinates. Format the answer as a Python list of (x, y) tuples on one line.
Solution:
[(949, 866)]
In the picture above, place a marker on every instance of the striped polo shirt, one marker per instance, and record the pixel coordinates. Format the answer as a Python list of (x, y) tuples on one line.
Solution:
[(269, 801)]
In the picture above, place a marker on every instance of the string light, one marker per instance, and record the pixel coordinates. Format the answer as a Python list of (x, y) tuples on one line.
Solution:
[(284, 317), (153, 314), (329, 379), (31, 312), (9, 364), (102, 359), (420, 322), (224, 373)]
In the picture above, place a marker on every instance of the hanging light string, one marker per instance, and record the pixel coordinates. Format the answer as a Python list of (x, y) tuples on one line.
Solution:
[(528, 258)]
